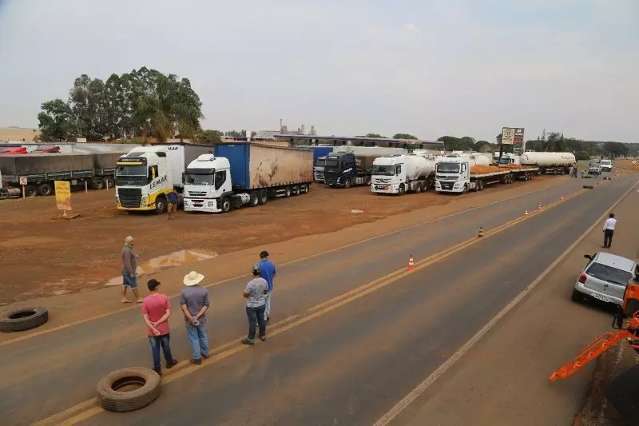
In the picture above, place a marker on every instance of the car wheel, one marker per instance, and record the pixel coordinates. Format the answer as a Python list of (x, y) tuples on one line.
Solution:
[(577, 296)]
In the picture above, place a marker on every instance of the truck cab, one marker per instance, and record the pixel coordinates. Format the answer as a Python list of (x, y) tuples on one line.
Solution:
[(452, 174), (207, 184), (142, 180), (606, 165), (342, 170), (388, 175)]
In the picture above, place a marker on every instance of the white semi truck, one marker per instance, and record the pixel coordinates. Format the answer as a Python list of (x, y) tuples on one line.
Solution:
[(550, 162), (463, 173), (239, 174), (399, 174), (146, 175)]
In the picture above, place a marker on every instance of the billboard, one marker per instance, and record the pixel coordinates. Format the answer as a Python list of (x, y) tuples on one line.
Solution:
[(512, 135)]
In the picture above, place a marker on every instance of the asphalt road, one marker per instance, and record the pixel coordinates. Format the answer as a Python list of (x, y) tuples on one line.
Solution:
[(347, 365)]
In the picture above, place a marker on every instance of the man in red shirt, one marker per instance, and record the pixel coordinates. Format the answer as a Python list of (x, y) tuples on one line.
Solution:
[(156, 309)]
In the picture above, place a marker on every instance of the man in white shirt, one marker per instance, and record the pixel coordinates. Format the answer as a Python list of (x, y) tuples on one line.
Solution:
[(609, 230)]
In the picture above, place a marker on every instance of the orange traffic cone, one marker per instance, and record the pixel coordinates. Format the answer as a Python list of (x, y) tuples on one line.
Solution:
[(411, 263)]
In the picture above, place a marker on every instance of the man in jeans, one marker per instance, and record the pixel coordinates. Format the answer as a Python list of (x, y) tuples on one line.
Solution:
[(609, 230), (267, 271), (255, 294), (194, 303), (156, 310), (129, 270)]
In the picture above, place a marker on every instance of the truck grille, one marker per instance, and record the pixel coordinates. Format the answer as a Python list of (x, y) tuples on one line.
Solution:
[(130, 197), (447, 185), (197, 194)]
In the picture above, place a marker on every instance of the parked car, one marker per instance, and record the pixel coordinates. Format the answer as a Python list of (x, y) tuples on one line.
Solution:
[(604, 278), (594, 168)]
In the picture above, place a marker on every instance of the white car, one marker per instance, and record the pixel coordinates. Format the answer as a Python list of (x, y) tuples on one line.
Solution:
[(606, 165), (604, 278)]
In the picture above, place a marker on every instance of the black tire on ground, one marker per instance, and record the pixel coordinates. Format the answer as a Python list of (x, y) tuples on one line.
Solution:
[(160, 205), (255, 199), (30, 191), (23, 319), (45, 189), (577, 296), (263, 196), (113, 396), (225, 205)]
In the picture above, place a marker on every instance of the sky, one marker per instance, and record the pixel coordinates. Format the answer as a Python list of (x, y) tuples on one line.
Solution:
[(429, 68)]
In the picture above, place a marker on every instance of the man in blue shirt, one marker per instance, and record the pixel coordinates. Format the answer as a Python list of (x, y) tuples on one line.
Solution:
[(267, 271)]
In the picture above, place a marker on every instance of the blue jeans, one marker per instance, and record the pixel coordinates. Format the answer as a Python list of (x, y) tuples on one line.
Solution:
[(164, 342), (198, 338), (256, 317)]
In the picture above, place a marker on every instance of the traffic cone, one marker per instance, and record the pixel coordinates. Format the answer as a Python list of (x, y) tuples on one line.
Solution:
[(411, 263), (480, 233)]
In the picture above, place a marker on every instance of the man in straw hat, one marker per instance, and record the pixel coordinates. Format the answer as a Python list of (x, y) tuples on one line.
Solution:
[(129, 268), (194, 303)]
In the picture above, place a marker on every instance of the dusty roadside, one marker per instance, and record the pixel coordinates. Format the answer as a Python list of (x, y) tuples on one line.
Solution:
[(42, 255)]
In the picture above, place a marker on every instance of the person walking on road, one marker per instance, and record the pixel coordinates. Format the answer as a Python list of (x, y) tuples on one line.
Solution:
[(609, 230), (156, 310), (172, 199), (129, 270), (195, 303), (255, 295), (267, 271)]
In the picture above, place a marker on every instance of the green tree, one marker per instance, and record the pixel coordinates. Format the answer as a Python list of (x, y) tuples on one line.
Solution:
[(208, 137), (403, 136), (57, 121), (484, 146), (615, 149), (452, 143), (374, 135)]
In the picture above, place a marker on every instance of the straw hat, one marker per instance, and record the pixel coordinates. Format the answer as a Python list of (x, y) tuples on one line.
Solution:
[(193, 278)]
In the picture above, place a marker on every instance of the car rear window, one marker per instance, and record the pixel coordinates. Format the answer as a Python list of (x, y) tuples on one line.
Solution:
[(608, 273)]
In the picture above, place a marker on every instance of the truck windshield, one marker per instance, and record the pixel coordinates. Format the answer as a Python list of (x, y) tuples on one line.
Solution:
[(610, 274), (131, 175), (448, 167), (383, 170), (320, 162), (331, 162), (198, 179)]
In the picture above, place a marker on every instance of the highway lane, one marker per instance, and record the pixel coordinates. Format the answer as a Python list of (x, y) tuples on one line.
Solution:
[(352, 364), (56, 370)]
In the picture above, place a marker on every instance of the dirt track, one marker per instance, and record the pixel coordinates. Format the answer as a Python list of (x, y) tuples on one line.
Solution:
[(44, 255)]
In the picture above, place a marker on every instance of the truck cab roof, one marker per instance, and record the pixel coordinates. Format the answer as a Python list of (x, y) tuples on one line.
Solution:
[(209, 161)]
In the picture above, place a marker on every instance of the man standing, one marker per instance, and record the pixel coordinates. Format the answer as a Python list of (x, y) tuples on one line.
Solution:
[(129, 270), (156, 310), (267, 271), (172, 199), (609, 230), (194, 303), (255, 295)]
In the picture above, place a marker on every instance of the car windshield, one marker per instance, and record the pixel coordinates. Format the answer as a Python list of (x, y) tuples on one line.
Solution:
[(198, 179), (448, 167), (383, 170), (609, 274)]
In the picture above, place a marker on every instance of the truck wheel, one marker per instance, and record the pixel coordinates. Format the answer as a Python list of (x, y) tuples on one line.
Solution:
[(295, 190), (348, 183), (31, 191), (263, 195), (45, 189), (287, 191), (109, 181), (255, 199), (418, 187), (303, 189), (225, 205), (160, 205), (97, 183), (402, 189)]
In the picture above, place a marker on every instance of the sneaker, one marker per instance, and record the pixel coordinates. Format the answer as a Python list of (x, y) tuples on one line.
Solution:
[(263, 338), (205, 356), (171, 364), (248, 341), (196, 361)]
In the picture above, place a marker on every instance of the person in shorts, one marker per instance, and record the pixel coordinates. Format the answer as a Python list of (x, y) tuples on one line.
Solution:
[(172, 199), (129, 270)]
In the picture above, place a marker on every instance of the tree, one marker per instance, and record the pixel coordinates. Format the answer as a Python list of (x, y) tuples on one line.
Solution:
[(484, 146), (374, 135), (615, 149), (452, 143), (403, 136), (209, 137), (56, 121)]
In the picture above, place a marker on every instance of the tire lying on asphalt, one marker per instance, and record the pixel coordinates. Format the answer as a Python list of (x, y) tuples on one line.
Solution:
[(23, 319), (128, 389)]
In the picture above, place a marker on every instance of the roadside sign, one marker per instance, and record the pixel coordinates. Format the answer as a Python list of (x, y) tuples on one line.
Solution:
[(512, 135), (23, 180), (63, 195)]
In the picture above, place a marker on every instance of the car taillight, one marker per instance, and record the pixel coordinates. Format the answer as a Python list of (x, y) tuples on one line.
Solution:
[(582, 278)]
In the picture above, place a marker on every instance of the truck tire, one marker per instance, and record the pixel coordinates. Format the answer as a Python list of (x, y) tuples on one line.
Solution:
[(255, 199), (160, 205), (418, 187), (287, 191), (263, 194), (348, 183), (97, 183), (295, 190), (45, 189), (225, 205), (114, 396), (303, 188), (30, 191), (109, 182), (402, 189), (23, 319)]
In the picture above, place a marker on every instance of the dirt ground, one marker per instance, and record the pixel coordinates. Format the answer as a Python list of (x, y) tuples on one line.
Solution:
[(43, 255)]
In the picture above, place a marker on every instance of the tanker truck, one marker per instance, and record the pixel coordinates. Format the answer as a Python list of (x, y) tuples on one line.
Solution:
[(239, 174), (402, 173), (348, 166), (550, 162)]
